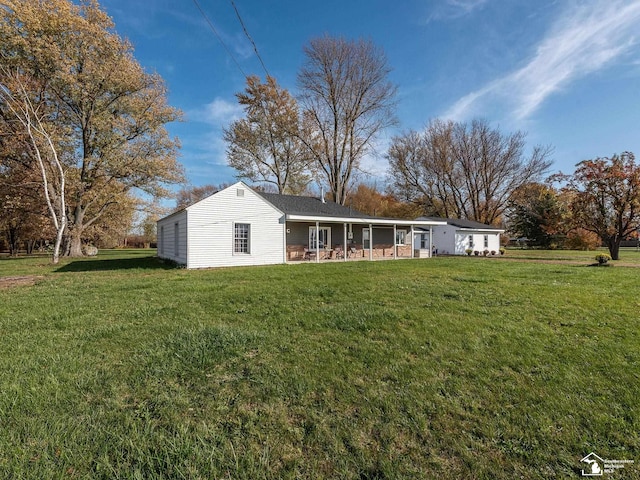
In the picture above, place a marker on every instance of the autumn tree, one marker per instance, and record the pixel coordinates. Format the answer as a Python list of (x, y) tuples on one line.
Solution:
[(347, 101), (265, 145), (368, 199), (34, 142), (23, 214), (605, 198), (112, 111), (461, 170)]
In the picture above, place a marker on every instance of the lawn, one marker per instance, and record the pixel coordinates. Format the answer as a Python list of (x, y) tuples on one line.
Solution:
[(122, 367)]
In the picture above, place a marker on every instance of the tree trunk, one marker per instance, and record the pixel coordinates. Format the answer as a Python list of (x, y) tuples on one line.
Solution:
[(613, 243), (12, 237), (75, 244)]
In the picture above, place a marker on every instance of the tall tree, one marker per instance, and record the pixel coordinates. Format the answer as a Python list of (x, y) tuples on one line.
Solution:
[(463, 170), (537, 212), (265, 146), (113, 112), (347, 101), (605, 195), (27, 113)]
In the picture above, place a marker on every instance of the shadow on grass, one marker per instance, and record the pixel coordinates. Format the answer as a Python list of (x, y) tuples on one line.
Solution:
[(97, 265)]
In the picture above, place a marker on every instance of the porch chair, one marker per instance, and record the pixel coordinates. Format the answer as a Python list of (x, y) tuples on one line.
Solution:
[(309, 254), (352, 252), (339, 253)]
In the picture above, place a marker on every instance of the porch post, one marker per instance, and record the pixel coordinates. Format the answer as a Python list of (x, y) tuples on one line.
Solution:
[(395, 246), (413, 240), (370, 241), (317, 242), (344, 241)]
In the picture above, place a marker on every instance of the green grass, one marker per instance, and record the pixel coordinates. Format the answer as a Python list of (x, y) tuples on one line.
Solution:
[(628, 256), (119, 367)]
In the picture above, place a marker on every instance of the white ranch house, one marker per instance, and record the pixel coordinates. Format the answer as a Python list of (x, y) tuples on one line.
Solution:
[(239, 226), (456, 236)]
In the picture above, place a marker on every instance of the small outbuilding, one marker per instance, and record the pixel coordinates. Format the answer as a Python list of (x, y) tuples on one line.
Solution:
[(456, 236), (240, 226)]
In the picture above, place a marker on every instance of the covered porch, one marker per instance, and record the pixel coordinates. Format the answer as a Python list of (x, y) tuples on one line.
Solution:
[(322, 239)]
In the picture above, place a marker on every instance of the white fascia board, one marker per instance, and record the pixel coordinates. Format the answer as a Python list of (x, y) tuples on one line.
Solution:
[(480, 230), (364, 221)]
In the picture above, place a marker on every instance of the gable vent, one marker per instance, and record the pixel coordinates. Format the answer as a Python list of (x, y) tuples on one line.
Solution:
[(240, 192)]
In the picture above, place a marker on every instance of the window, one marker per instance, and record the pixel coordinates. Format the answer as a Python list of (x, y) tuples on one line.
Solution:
[(176, 239), (470, 241), (486, 241), (401, 237), (324, 237), (366, 239), (424, 241), (241, 238)]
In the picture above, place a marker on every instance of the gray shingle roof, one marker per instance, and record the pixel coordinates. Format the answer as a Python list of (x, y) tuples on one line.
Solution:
[(312, 206), (460, 223)]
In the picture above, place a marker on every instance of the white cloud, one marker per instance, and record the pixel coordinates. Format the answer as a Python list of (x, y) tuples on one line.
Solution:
[(453, 9), (585, 39), (219, 112)]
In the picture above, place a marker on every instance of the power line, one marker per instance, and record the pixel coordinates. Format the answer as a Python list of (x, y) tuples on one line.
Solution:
[(213, 29), (246, 32)]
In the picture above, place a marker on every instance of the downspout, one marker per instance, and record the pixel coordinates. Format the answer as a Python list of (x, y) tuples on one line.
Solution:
[(284, 240), (430, 241)]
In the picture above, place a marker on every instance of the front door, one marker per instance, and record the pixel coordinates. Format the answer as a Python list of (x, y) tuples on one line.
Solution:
[(323, 236)]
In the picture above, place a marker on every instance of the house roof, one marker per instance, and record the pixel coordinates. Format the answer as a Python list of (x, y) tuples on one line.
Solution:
[(461, 223), (310, 206)]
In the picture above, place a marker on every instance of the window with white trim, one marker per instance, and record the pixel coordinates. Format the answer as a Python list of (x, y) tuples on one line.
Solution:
[(401, 237), (470, 241), (241, 238), (486, 241), (366, 239)]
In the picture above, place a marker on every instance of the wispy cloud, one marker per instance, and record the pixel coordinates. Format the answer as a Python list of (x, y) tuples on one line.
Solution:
[(453, 9), (219, 113), (584, 40)]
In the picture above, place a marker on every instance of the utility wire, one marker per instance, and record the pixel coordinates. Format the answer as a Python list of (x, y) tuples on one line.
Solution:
[(213, 29), (246, 32)]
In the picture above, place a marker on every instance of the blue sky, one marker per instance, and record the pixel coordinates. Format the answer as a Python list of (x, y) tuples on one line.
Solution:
[(566, 72)]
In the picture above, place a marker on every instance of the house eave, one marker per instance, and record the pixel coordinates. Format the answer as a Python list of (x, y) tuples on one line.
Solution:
[(361, 220), (479, 230)]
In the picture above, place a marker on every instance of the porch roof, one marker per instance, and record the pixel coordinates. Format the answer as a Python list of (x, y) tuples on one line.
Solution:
[(312, 209), (366, 220)]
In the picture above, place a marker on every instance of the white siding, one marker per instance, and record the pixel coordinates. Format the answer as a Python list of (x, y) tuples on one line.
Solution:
[(451, 241), (167, 238), (211, 230), (444, 239)]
